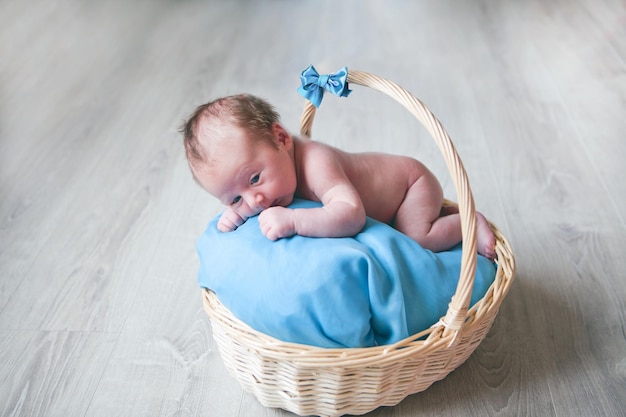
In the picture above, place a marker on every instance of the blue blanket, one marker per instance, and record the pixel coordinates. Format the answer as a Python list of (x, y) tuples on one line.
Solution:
[(375, 288)]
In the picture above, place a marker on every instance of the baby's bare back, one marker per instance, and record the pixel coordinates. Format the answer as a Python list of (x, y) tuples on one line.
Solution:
[(382, 180)]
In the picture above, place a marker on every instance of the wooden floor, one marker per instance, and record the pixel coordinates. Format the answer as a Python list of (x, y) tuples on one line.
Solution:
[(100, 313)]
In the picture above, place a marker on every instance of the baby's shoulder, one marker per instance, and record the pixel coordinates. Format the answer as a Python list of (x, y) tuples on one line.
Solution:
[(316, 150)]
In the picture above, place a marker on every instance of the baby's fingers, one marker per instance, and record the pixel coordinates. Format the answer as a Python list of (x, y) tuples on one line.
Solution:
[(273, 233), (276, 223), (230, 221), (270, 234)]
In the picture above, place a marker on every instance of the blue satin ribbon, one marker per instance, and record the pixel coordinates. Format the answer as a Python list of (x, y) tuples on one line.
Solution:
[(313, 84)]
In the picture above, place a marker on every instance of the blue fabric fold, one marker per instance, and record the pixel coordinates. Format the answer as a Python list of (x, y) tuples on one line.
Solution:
[(313, 84), (375, 288)]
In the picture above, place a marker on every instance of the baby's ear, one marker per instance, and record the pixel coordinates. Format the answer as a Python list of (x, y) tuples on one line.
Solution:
[(282, 138)]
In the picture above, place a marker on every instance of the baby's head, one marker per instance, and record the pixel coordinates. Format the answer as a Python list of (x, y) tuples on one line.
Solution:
[(205, 126), (238, 152)]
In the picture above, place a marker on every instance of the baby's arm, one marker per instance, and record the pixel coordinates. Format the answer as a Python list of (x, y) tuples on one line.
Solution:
[(341, 215), (322, 176)]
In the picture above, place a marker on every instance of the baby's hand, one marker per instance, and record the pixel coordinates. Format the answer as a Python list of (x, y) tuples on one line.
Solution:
[(230, 220), (277, 222)]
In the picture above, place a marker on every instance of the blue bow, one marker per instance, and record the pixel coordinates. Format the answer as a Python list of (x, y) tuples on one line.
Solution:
[(313, 84)]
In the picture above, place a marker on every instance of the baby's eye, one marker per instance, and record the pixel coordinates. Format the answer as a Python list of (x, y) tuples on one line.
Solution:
[(236, 199), (255, 179)]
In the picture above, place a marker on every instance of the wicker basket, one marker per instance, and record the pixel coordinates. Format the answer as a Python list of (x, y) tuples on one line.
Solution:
[(331, 382)]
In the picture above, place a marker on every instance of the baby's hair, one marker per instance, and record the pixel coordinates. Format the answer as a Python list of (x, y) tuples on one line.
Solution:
[(243, 110)]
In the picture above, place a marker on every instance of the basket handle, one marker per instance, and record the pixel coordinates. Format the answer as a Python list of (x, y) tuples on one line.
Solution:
[(457, 309)]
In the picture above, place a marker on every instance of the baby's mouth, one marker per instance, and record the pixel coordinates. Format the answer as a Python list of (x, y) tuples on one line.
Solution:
[(283, 202), (265, 207)]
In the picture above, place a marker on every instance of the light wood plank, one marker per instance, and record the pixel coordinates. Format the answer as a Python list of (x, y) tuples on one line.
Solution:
[(51, 373)]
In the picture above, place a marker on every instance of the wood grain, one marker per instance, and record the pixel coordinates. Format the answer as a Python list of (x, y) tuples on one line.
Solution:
[(100, 313)]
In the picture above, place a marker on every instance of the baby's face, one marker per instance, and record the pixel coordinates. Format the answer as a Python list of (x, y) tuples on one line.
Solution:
[(250, 175)]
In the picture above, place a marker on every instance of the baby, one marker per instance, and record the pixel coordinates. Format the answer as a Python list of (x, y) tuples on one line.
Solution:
[(239, 153)]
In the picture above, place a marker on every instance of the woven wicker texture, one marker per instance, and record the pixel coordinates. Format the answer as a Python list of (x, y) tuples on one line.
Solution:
[(308, 380)]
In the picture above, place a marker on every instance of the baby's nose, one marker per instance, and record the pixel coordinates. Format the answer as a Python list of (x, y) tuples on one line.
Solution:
[(259, 199), (255, 200)]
